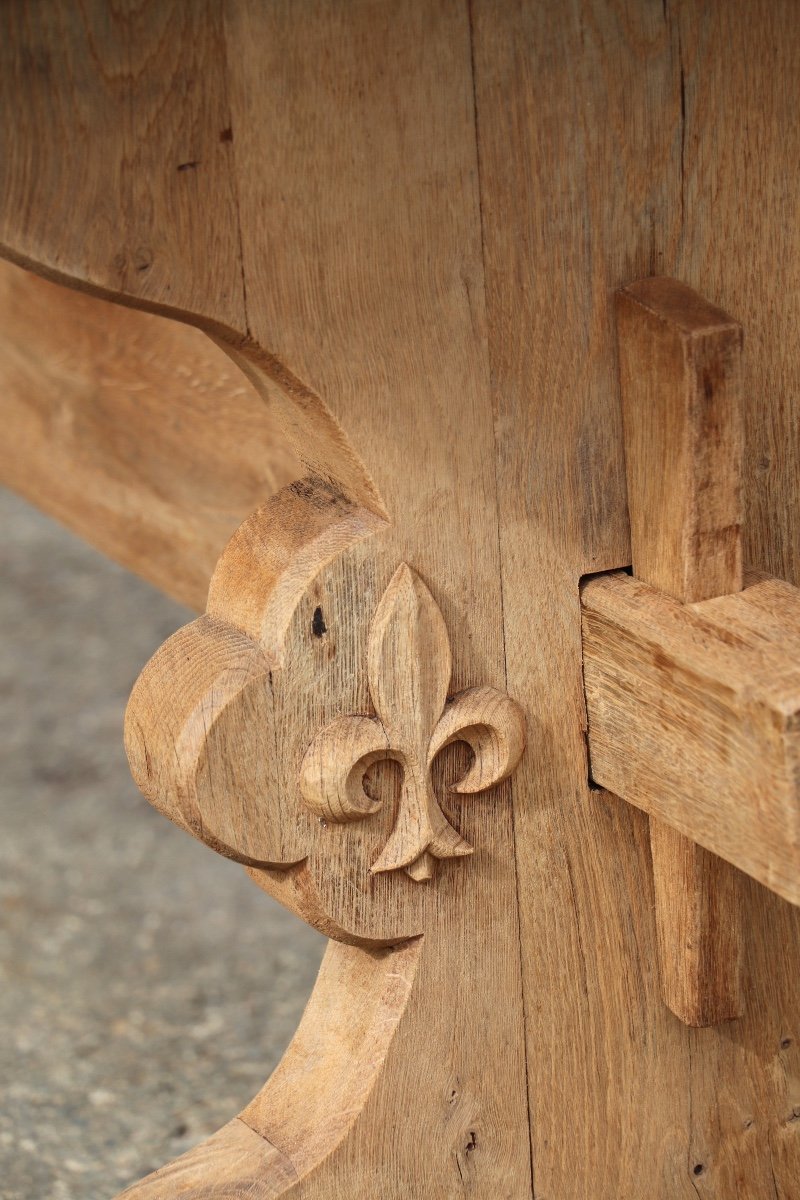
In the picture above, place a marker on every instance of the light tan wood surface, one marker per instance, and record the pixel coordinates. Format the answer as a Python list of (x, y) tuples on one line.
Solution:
[(680, 380), (699, 928), (126, 118), (408, 668), (137, 432), (612, 146), (406, 223), (225, 739), (377, 305), (693, 716)]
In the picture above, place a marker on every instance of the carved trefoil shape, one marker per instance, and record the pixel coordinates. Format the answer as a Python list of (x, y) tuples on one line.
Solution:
[(409, 670)]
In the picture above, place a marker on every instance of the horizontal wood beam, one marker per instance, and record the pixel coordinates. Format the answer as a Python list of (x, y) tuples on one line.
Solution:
[(694, 715), (135, 431)]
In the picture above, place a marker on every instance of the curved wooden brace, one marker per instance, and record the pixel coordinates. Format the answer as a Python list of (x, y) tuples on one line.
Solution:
[(314, 525), (85, 386), (225, 731), (318, 1096)]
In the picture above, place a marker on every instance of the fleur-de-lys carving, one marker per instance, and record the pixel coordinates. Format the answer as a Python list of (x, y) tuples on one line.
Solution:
[(408, 669)]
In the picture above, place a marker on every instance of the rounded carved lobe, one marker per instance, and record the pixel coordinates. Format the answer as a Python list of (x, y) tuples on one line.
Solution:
[(492, 725), (333, 769), (214, 735)]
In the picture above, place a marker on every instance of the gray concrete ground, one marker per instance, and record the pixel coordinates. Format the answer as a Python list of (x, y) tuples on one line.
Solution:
[(147, 987)]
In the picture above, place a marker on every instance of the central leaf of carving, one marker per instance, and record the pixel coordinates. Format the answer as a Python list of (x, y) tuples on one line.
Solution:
[(408, 669)]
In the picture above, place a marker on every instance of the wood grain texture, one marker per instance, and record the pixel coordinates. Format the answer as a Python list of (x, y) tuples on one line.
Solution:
[(121, 128), (210, 747), (370, 306), (693, 716), (680, 379), (376, 304), (699, 928), (136, 432), (408, 667), (218, 725), (224, 739), (611, 144), (611, 140), (739, 191)]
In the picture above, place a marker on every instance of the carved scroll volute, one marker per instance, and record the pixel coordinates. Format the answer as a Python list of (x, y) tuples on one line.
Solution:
[(221, 736)]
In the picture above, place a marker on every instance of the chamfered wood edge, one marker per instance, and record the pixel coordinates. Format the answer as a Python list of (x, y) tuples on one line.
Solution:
[(312, 429), (677, 305), (313, 1099), (134, 430)]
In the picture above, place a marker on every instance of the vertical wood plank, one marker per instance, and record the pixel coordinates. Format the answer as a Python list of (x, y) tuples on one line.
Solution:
[(578, 115), (364, 277), (738, 63), (680, 377), (602, 127), (699, 928)]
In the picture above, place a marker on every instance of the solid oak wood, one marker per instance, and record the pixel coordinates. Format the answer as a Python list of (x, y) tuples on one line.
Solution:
[(408, 668), (382, 262), (680, 380), (218, 729), (693, 716), (406, 223), (118, 130), (612, 145), (699, 928), (136, 432)]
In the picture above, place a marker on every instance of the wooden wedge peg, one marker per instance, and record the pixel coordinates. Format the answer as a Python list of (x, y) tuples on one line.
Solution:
[(680, 368), (680, 375)]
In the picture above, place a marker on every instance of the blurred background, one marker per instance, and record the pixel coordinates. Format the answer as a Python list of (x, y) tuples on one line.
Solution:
[(147, 987)]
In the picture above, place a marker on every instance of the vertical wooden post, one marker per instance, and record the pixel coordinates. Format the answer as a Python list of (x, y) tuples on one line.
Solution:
[(680, 360)]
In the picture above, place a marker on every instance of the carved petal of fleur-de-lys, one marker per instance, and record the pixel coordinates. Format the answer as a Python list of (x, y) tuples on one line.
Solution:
[(408, 669)]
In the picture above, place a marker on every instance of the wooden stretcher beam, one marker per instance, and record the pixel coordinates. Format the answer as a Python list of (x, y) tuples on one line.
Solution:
[(135, 431), (694, 716)]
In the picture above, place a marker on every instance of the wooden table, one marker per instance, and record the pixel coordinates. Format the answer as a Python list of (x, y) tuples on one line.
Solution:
[(368, 254)]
